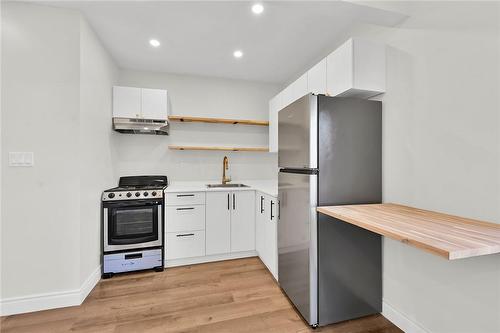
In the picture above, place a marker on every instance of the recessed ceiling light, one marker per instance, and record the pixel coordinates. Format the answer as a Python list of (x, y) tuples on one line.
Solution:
[(257, 8), (238, 54), (154, 42)]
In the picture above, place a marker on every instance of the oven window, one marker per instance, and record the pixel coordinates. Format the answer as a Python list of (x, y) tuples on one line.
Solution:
[(133, 225), (134, 222)]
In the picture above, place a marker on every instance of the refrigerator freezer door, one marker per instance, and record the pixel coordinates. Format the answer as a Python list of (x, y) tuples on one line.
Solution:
[(350, 151), (298, 134), (297, 246)]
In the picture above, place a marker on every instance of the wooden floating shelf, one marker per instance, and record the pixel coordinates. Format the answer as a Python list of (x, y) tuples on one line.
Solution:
[(219, 120), (255, 149)]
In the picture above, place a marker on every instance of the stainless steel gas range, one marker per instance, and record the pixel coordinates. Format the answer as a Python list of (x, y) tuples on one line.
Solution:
[(133, 225)]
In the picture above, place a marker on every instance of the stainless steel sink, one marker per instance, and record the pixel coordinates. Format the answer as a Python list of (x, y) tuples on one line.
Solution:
[(226, 185)]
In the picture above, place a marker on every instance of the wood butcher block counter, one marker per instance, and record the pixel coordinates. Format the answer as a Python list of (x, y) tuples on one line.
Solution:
[(448, 236)]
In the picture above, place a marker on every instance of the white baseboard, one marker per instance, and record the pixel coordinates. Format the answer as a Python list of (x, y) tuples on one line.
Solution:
[(90, 283), (205, 259), (38, 302), (401, 320)]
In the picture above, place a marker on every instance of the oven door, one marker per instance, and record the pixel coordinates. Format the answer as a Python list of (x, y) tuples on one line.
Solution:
[(132, 224)]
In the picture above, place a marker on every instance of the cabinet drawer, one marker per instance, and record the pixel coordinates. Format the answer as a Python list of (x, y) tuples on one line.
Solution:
[(182, 218), (185, 198), (185, 244)]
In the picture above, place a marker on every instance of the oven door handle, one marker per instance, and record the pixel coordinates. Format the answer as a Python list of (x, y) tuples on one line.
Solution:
[(132, 203)]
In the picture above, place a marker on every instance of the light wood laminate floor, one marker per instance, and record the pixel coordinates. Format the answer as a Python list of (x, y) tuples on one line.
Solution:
[(224, 297)]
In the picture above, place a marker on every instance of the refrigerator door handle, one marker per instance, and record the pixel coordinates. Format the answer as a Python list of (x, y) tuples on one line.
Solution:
[(302, 171)]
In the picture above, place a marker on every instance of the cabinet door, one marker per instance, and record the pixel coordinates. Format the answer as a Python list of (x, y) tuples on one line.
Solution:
[(287, 96), (299, 87), (154, 104), (218, 222), (272, 236), (126, 102), (274, 105), (260, 225), (272, 239), (316, 78), (243, 221), (339, 69)]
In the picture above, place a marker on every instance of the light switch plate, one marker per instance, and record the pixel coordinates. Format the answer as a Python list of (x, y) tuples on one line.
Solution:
[(18, 159)]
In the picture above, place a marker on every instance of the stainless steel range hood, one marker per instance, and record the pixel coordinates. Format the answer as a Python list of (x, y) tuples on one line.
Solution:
[(140, 126)]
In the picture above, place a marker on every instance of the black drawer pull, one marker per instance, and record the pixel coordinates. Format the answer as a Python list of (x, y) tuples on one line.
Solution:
[(185, 208), (184, 235), (133, 256), (184, 195), (272, 204)]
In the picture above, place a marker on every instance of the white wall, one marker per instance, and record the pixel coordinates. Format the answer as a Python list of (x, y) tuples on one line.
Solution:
[(441, 151), (98, 74), (57, 103), (40, 113), (205, 97)]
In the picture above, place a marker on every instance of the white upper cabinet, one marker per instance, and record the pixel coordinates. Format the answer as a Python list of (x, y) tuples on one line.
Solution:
[(274, 107), (294, 91), (154, 104), (316, 78), (131, 102), (356, 69), (126, 102), (299, 87)]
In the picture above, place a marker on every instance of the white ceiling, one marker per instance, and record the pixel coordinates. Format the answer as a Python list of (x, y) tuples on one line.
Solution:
[(200, 37)]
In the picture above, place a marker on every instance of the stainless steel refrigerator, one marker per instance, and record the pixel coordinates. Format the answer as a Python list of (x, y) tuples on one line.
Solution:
[(329, 153)]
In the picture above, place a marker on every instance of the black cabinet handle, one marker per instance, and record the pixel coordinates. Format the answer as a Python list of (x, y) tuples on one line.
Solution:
[(185, 208), (279, 209), (261, 204), (234, 202), (184, 195), (184, 235), (228, 201), (272, 204)]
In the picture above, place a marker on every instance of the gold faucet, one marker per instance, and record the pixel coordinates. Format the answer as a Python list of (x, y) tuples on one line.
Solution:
[(225, 166)]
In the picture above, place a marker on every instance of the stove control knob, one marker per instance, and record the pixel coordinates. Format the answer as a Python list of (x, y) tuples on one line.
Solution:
[(129, 195), (146, 194), (111, 195), (153, 194), (137, 194)]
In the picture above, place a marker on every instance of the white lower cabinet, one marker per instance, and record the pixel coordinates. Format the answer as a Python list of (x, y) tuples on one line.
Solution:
[(185, 244), (218, 223), (184, 225), (230, 222), (185, 218), (243, 221), (266, 239)]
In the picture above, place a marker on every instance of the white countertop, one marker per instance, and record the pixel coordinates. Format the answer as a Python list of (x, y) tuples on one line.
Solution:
[(269, 187)]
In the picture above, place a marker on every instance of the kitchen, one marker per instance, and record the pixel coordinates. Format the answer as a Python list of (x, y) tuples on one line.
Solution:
[(60, 62)]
